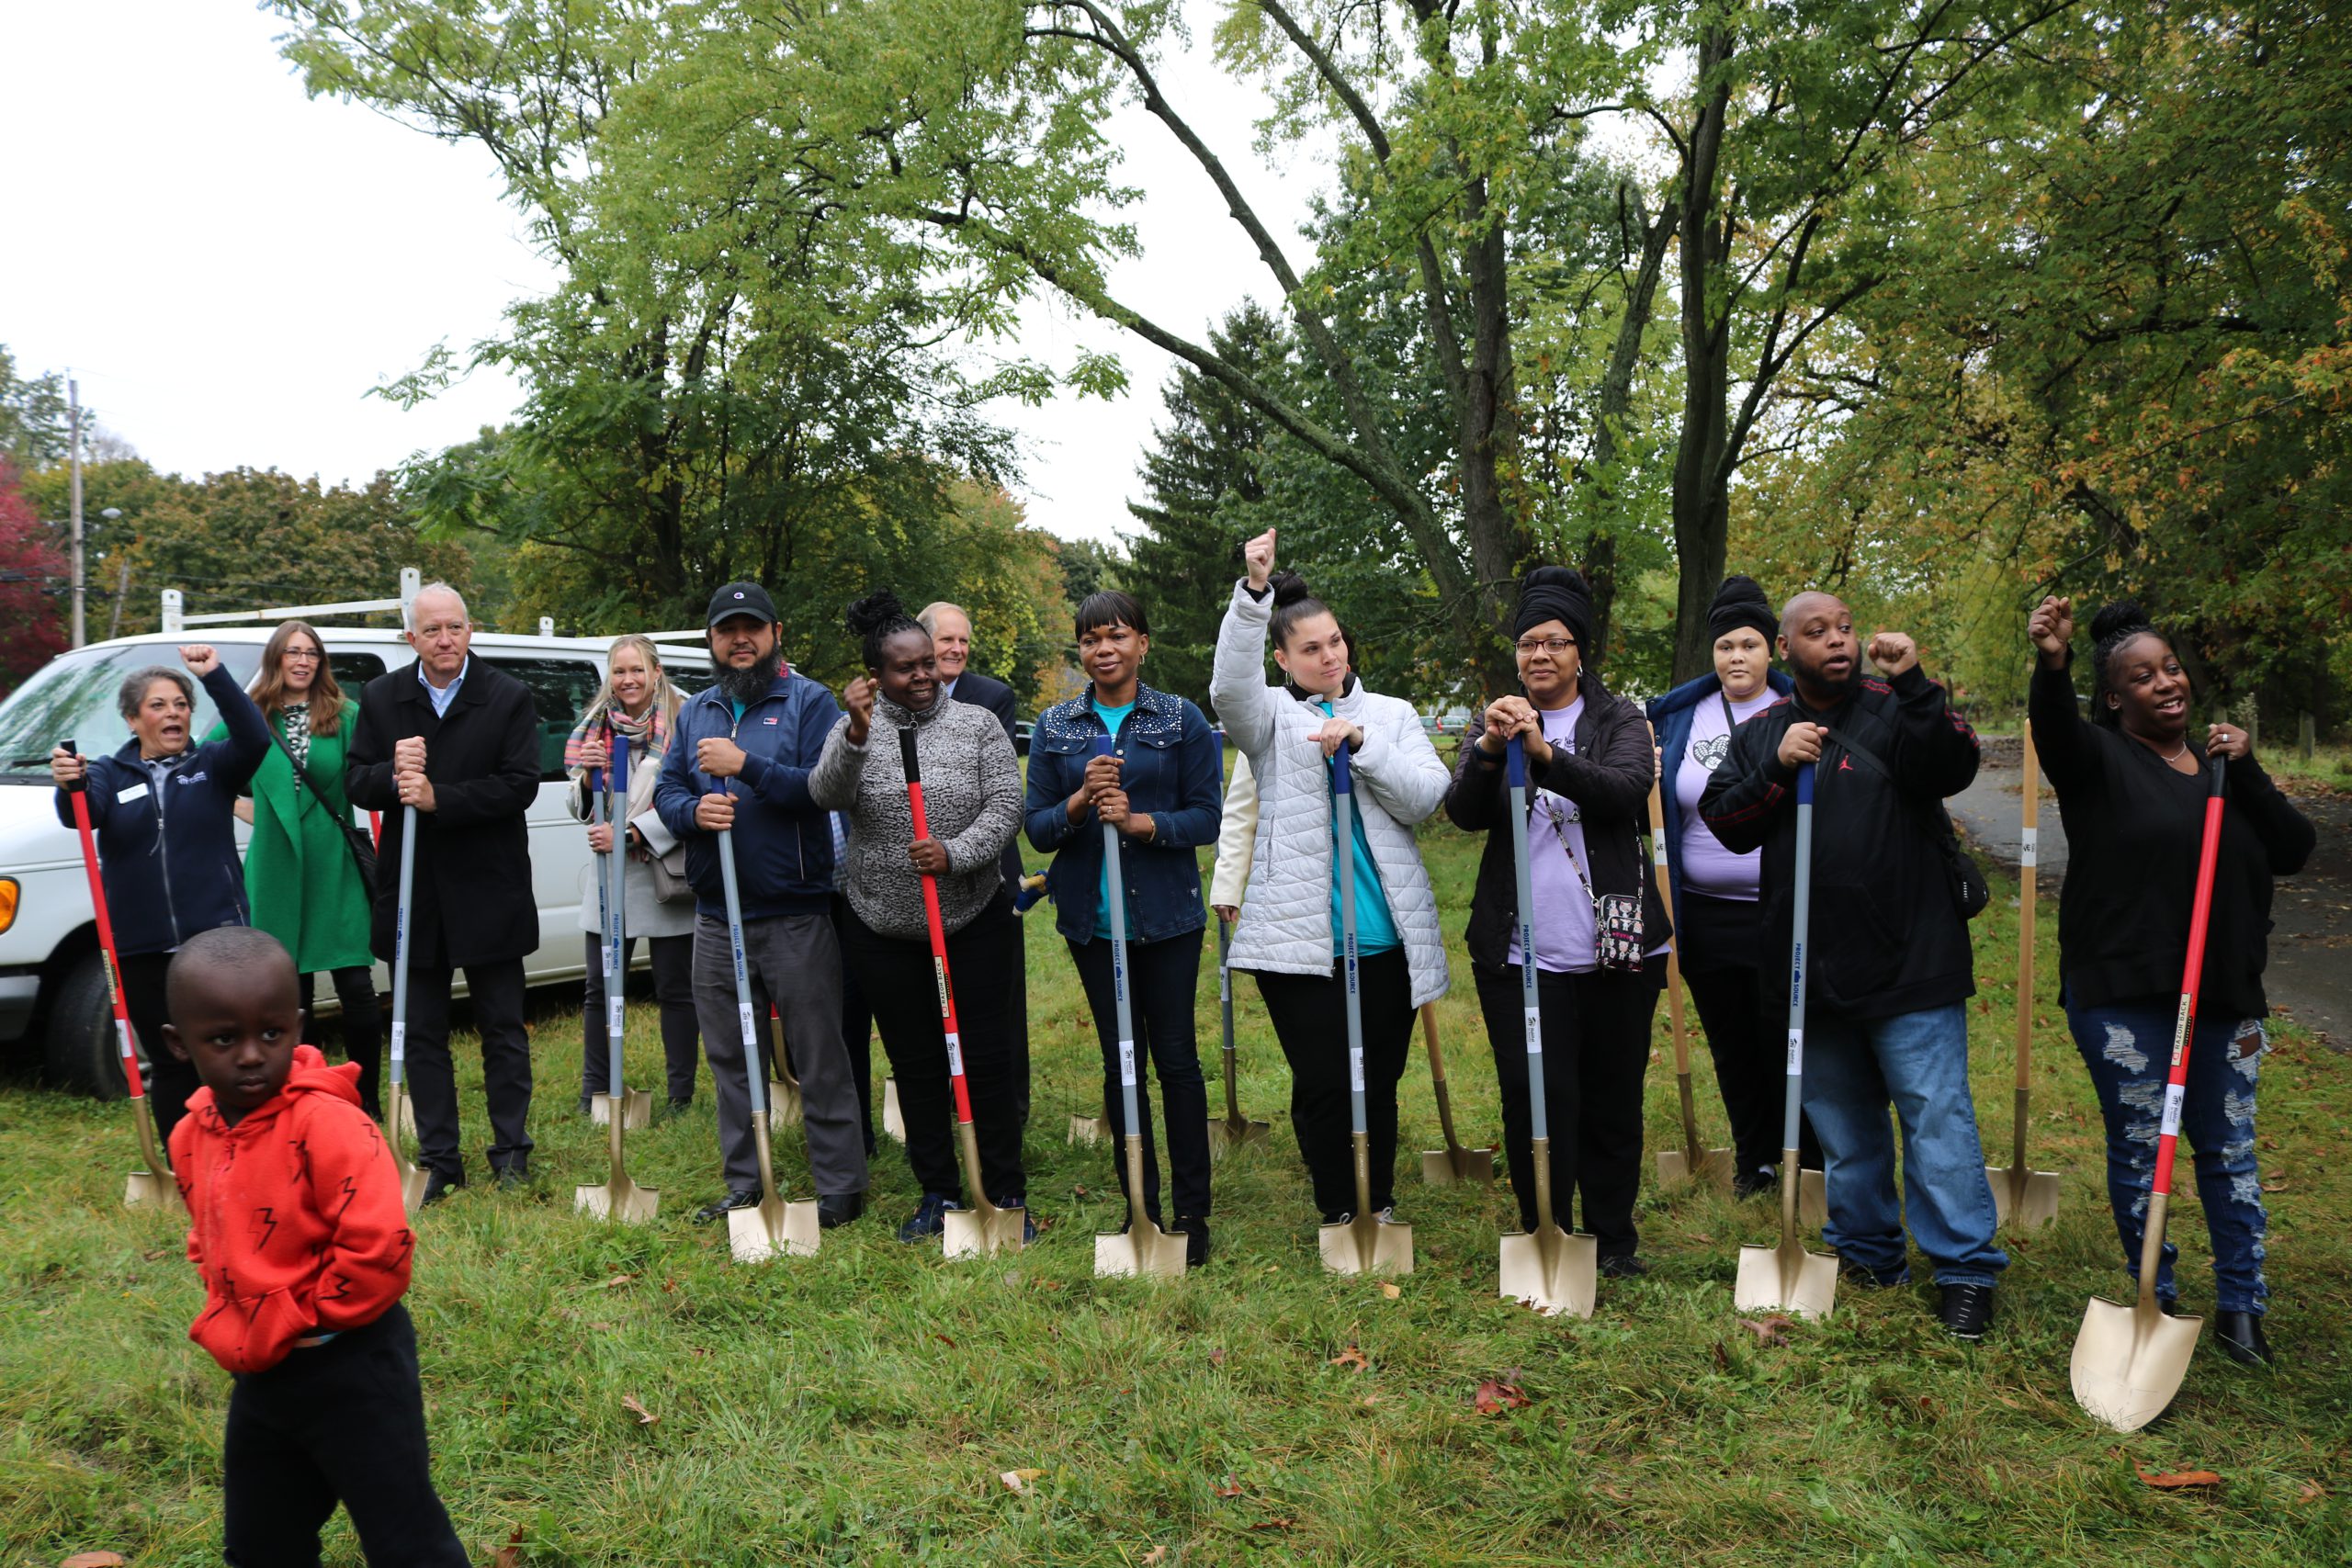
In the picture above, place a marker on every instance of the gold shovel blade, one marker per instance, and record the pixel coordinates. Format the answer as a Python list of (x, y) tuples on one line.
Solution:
[(2129, 1361), (144, 1189), (1785, 1278), (404, 1120), (636, 1110), (413, 1180), (1477, 1167), (1813, 1198), (981, 1232), (1226, 1136), (773, 1227), (1553, 1272), (893, 1124), (784, 1102), (620, 1199), (1367, 1244), (1714, 1167), (2026, 1204), (1085, 1132), (1143, 1248)]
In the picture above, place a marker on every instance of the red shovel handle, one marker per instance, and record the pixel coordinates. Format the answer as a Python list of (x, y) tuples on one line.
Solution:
[(938, 929), (2176, 1084), (78, 792)]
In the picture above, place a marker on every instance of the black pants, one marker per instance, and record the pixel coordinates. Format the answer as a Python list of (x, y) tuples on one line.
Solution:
[(1311, 1019), (1720, 942), (496, 990), (673, 992), (857, 1028), (167, 1080), (896, 975), (1596, 1047), (363, 1026), (340, 1422), (1163, 977)]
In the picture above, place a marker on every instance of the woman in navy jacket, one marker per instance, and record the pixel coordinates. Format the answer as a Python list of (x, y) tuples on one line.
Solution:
[(162, 810), (1160, 788), (1715, 910)]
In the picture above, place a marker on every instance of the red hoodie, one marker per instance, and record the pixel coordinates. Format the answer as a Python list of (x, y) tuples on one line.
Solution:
[(296, 1220)]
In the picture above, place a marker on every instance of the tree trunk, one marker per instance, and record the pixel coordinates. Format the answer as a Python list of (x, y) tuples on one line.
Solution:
[(1702, 487), (1487, 432)]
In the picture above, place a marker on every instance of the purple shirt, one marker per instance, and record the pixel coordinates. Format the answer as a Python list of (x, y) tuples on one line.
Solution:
[(1564, 928), (1707, 867)]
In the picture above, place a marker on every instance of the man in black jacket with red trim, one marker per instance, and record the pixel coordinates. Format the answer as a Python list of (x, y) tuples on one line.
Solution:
[(1888, 967)]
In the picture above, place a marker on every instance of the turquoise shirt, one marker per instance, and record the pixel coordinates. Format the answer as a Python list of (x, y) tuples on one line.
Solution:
[(1112, 718), (1375, 927)]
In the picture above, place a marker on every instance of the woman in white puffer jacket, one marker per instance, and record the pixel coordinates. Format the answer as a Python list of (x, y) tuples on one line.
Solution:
[(1288, 935)]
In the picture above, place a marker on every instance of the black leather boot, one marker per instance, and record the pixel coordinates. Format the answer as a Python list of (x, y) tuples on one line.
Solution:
[(2239, 1334)]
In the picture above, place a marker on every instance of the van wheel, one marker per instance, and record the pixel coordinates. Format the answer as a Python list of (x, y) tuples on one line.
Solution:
[(80, 1047)]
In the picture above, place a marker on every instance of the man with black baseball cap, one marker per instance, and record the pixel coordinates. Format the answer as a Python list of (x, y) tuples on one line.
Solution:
[(741, 765)]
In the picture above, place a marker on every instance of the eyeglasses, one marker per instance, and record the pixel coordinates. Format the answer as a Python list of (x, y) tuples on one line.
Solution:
[(300, 656), (1555, 646)]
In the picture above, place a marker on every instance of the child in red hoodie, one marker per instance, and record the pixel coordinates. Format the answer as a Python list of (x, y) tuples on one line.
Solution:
[(297, 1225)]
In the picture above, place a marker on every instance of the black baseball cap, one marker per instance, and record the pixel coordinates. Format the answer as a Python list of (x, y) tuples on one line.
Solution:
[(741, 599)]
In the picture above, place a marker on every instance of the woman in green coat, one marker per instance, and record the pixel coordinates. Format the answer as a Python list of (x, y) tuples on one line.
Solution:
[(301, 874)]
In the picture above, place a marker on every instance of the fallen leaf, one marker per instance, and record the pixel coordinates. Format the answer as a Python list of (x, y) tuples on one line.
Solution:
[(1393, 1291), (1080, 1192), (1217, 1356), (617, 1281), (1611, 1489), (1018, 1480), (1230, 1487), (670, 1285), (1494, 1396), (2176, 1479), (94, 1560), (1702, 1238), (1352, 1358), (1773, 1330), (1723, 1357), (2274, 1187), (1275, 1524), (512, 1553), (2312, 1492), (944, 1340), (1157, 1555), (645, 1417)]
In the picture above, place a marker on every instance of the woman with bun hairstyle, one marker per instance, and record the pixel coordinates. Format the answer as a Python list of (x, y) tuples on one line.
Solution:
[(1588, 771), (2132, 790), (1158, 788), (637, 703), (971, 788), (1288, 933), (301, 874), (1718, 928)]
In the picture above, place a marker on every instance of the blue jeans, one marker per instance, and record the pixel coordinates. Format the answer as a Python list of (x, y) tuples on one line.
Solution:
[(1853, 1069), (2128, 1047)]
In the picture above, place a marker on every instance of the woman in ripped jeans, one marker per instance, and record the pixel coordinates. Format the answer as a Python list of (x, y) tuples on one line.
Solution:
[(2132, 790)]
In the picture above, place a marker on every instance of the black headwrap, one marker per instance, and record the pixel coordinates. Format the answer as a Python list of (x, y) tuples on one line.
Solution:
[(1554, 593), (1739, 603)]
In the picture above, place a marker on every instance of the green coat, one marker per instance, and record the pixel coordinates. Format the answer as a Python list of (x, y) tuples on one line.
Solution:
[(304, 889)]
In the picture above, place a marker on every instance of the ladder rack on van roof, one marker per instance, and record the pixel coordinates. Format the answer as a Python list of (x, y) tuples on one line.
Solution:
[(175, 620)]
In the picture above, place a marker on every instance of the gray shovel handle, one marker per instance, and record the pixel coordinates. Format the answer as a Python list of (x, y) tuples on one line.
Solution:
[(1539, 1120), (1793, 1111), (1115, 892), (401, 908), (1343, 846), (755, 1068)]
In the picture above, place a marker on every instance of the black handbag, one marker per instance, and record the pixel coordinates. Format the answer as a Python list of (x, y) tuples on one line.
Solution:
[(1963, 878), (355, 839)]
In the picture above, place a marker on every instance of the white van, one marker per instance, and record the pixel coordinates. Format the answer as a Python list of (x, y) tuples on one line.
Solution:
[(52, 988)]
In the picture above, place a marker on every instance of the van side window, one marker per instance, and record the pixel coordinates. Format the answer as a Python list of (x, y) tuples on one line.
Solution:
[(560, 689), (353, 670)]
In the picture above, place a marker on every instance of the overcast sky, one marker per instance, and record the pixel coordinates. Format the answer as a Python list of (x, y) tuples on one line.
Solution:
[(228, 267)]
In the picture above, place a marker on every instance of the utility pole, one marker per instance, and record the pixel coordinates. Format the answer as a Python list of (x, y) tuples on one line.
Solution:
[(73, 422)]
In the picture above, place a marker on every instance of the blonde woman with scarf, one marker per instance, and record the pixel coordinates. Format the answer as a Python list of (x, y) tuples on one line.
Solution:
[(637, 703)]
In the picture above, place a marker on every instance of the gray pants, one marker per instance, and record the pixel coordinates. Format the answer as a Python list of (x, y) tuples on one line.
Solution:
[(796, 964)]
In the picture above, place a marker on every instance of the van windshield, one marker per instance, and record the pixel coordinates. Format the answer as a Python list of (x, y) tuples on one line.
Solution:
[(74, 697)]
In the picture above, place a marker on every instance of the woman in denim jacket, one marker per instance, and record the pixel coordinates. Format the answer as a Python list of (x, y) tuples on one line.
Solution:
[(1159, 787)]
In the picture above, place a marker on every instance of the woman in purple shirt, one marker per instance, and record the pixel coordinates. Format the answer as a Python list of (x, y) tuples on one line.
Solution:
[(1714, 890)]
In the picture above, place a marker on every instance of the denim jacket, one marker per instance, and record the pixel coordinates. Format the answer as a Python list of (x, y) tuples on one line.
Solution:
[(1170, 773)]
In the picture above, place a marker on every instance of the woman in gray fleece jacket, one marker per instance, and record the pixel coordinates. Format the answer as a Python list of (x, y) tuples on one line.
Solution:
[(972, 800)]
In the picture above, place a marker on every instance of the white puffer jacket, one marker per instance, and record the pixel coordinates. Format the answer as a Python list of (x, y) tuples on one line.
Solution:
[(1285, 925)]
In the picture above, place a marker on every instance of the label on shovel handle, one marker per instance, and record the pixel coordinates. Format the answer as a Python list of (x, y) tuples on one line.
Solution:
[(608, 961), (400, 1040), (1534, 1019), (2029, 843), (1355, 1071), (2174, 1094), (743, 1017), (1796, 1052), (1223, 984), (1126, 1063), (122, 1038), (955, 1055), (612, 1014)]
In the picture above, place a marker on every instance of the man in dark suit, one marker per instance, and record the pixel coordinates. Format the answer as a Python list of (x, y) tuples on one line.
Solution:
[(460, 742), (951, 644)]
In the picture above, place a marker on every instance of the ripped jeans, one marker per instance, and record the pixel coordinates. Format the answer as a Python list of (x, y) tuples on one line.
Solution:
[(2128, 1047)]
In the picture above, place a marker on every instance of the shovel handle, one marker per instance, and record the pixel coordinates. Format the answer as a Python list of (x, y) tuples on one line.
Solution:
[(1530, 1008), (936, 925), (1115, 884), (1793, 1106), (2192, 974), (78, 793)]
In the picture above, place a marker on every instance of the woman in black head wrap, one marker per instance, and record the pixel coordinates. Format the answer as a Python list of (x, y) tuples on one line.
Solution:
[(1714, 890), (1598, 967)]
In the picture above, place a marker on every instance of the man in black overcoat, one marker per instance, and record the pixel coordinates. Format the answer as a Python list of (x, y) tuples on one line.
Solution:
[(460, 742)]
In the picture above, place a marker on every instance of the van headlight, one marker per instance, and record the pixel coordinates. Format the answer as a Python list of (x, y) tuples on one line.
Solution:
[(9, 891)]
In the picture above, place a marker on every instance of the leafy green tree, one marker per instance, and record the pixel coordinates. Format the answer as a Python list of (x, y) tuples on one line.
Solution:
[(34, 427)]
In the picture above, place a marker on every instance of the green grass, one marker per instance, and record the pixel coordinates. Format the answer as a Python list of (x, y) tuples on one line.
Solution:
[(858, 1406)]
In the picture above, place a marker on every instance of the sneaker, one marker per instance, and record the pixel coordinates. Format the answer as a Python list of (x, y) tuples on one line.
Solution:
[(1625, 1266), (835, 1210), (1028, 1229), (2239, 1334), (1967, 1309), (1864, 1278), (930, 1217), (1194, 1229), (736, 1198)]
